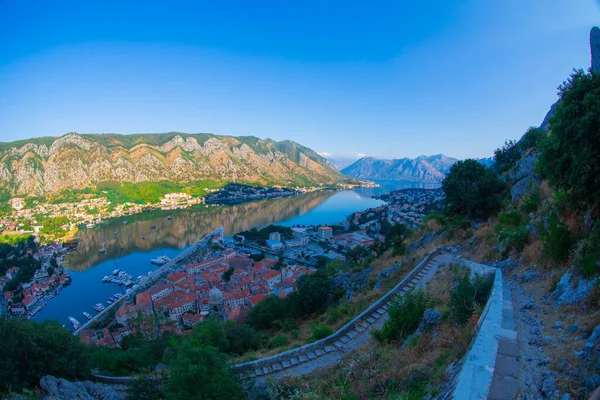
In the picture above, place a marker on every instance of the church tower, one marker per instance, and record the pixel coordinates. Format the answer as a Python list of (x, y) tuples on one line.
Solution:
[(216, 305)]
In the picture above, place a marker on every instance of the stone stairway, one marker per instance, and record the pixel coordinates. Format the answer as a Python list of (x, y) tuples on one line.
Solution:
[(352, 336), (505, 382)]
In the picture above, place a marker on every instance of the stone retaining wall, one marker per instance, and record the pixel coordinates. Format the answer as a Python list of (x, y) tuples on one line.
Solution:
[(477, 366)]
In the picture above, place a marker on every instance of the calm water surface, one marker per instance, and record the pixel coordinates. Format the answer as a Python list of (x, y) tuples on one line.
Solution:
[(169, 237)]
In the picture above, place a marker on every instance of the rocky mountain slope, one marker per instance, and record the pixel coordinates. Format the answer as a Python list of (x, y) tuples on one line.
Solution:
[(51, 164), (421, 169)]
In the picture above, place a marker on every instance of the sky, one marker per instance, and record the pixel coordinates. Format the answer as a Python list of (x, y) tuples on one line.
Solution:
[(388, 79)]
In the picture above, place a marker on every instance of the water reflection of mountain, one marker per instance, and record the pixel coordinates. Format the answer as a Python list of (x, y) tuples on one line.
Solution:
[(185, 227), (388, 186)]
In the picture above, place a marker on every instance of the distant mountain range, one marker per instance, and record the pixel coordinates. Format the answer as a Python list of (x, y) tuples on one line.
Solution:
[(74, 161), (420, 169)]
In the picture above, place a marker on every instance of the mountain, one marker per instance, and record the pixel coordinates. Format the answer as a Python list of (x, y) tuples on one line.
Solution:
[(420, 169), (74, 161), (340, 163)]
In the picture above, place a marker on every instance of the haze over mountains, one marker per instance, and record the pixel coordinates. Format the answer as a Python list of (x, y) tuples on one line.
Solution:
[(52, 164), (420, 169)]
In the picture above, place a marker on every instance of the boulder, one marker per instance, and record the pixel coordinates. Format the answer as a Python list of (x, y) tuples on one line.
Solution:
[(58, 388), (432, 317), (592, 382), (548, 386), (350, 282), (569, 293)]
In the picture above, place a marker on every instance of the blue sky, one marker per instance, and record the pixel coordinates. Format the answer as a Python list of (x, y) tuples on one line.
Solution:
[(388, 79)]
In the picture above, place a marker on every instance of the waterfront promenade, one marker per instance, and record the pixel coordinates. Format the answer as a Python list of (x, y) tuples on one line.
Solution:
[(151, 278)]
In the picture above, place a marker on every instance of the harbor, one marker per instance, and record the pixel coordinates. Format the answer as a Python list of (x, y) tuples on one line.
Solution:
[(146, 281)]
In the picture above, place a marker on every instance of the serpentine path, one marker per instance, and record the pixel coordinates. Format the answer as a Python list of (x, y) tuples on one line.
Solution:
[(351, 336)]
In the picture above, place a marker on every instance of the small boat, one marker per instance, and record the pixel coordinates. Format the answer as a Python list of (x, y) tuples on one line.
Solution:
[(153, 227), (116, 232), (87, 315), (169, 217), (122, 247), (116, 271), (118, 295), (108, 302), (162, 260), (124, 222), (98, 307), (102, 250), (143, 237), (111, 298), (75, 323), (89, 226)]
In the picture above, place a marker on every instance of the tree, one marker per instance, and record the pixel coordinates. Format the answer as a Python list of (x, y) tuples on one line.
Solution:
[(269, 310), (227, 274), (31, 350), (570, 155), (211, 332), (395, 238), (312, 294), (200, 372), (472, 190)]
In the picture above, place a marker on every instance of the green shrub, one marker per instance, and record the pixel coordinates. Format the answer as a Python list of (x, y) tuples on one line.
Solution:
[(406, 312), (468, 296), (532, 203), (556, 240), (510, 218), (512, 227), (320, 332), (587, 253), (506, 156), (531, 138), (278, 341)]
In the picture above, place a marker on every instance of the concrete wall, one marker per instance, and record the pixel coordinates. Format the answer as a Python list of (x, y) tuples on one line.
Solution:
[(475, 376)]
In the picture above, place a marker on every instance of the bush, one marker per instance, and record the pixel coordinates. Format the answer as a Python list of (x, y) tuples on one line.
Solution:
[(531, 138), (556, 240), (472, 190), (587, 253), (320, 332), (406, 312), (532, 203), (506, 156), (278, 341), (468, 296)]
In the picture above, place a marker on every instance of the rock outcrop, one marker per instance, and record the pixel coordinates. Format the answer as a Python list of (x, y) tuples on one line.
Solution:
[(595, 48), (74, 161), (59, 389)]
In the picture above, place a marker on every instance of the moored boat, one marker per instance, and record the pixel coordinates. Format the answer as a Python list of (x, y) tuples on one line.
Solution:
[(75, 323), (98, 307), (162, 260), (102, 250), (87, 315)]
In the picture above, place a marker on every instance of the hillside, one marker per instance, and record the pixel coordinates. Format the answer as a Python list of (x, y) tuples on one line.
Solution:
[(421, 169), (51, 164)]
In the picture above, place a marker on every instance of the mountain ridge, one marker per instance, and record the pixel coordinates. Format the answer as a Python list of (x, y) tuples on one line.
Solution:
[(51, 164), (421, 169)]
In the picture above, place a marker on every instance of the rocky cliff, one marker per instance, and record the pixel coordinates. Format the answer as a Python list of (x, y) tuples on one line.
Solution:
[(420, 169), (51, 164)]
